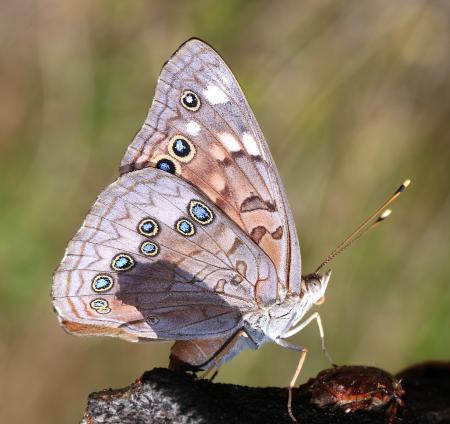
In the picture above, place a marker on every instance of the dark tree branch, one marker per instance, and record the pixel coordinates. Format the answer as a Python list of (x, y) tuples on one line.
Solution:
[(164, 396)]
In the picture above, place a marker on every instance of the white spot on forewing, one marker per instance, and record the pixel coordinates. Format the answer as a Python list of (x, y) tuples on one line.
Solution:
[(230, 142), (250, 144), (192, 128), (215, 95)]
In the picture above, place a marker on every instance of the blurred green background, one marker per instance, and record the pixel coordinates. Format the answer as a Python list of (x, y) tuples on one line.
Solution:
[(353, 97)]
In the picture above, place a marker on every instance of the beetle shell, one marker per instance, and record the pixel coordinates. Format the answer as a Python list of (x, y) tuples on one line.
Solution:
[(353, 388)]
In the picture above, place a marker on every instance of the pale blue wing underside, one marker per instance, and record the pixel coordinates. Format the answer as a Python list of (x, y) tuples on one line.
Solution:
[(179, 285)]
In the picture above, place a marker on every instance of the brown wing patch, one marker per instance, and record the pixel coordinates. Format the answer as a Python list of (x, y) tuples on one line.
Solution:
[(255, 203), (278, 233), (258, 233)]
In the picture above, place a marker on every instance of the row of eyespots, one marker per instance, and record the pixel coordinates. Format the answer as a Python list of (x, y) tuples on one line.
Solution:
[(149, 227), (123, 262), (179, 146), (104, 282), (199, 213)]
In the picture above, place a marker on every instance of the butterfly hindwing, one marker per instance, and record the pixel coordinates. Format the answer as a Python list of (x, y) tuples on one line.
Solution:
[(155, 260), (201, 128)]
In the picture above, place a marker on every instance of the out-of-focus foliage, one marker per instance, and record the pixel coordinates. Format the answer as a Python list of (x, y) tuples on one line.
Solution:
[(353, 97)]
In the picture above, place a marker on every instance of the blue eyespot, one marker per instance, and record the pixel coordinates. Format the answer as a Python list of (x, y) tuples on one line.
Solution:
[(102, 283), (181, 147), (101, 306), (148, 227), (166, 165), (149, 248), (99, 303), (122, 262), (200, 212), (185, 227)]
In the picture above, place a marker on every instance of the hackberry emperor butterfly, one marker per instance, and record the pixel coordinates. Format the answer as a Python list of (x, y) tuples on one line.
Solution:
[(195, 241)]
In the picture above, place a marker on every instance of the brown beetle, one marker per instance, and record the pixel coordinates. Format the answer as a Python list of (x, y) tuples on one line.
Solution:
[(354, 388)]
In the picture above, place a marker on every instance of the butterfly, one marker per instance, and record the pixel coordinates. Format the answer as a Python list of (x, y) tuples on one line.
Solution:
[(195, 241)]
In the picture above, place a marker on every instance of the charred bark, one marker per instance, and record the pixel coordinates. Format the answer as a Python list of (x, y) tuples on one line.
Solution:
[(164, 396)]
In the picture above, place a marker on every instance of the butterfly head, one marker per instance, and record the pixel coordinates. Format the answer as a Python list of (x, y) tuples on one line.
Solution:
[(314, 285)]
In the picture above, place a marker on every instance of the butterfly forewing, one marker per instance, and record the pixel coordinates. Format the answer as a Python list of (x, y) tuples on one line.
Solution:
[(201, 128), (153, 259)]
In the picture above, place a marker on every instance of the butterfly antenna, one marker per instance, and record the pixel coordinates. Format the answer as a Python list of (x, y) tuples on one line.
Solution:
[(380, 214)]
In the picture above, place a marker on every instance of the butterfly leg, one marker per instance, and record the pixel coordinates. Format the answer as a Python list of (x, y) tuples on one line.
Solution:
[(302, 325), (303, 351)]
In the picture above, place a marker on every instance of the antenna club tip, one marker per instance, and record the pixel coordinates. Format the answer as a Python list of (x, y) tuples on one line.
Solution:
[(405, 184), (385, 214)]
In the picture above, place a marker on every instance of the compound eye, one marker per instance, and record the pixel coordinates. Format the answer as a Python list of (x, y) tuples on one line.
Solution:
[(314, 285)]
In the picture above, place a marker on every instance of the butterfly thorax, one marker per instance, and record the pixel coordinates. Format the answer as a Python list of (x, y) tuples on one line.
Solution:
[(282, 316)]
